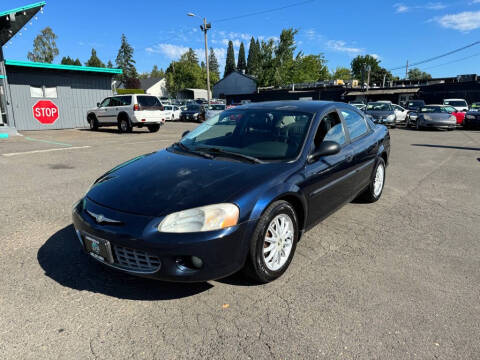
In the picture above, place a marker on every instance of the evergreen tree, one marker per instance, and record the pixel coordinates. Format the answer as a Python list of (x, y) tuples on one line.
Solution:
[(241, 63), (109, 64), (77, 62), (94, 61), (230, 61), (125, 61), (213, 65), (67, 60), (156, 73), (253, 58), (44, 47)]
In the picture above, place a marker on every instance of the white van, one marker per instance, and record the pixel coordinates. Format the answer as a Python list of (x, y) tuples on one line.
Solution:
[(459, 104)]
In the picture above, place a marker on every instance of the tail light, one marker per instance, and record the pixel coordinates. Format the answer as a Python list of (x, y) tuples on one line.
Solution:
[(136, 107)]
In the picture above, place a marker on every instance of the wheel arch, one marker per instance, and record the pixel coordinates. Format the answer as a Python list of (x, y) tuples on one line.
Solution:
[(123, 116)]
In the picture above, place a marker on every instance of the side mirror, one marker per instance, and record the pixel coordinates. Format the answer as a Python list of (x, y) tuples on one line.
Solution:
[(99, 105), (324, 149), (185, 133)]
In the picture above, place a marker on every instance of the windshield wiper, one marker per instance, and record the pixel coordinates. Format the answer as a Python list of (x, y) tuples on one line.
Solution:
[(192, 151), (230, 154)]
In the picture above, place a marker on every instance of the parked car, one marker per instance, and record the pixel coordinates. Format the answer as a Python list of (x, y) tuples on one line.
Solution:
[(382, 113), (475, 105), (459, 115), (360, 107), (214, 109), (472, 119), (435, 116), (172, 112), (126, 112), (459, 104), (400, 113), (415, 105), (233, 194), (194, 112)]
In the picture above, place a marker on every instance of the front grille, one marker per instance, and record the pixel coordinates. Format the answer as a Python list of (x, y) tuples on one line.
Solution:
[(135, 260)]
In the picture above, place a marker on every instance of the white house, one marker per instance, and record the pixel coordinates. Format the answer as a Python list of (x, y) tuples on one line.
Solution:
[(154, 86)]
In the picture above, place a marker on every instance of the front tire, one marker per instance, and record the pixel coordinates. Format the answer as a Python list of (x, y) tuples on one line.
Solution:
[(153, 128), (375, 189), (93, 122), (273, 243)]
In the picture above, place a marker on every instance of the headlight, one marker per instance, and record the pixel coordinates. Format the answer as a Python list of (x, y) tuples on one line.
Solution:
[(453, 118), (205, 218), (391, 117), (471, 117)]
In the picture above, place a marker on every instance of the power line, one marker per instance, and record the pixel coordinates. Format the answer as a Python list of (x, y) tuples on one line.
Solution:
[(437, 57), (263, 11)]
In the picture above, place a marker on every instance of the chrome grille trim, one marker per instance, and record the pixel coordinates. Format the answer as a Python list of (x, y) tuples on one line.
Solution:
[(135, 260)]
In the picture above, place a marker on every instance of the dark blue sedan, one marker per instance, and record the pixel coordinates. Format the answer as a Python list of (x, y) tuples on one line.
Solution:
[(235, 193)]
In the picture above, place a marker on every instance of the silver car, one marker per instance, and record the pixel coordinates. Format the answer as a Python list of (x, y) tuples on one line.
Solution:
[(435, 116), (214, 109)]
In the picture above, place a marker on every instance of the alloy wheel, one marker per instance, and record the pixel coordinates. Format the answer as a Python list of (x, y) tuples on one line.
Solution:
[(379, 180), (278, 242)]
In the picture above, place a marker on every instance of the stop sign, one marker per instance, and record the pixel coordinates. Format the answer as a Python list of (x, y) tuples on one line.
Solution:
[(45, 112)]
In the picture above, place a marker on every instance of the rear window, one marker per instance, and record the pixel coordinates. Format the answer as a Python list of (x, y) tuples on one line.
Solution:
[(217, 107), (455, 103), (148, 101)]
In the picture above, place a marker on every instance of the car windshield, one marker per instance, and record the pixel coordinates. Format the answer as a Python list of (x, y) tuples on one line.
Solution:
[(379, 106), (455, 102), (434, 109), (193, 107), (416, 103), (262, 134), (217, 107), (475, 105)]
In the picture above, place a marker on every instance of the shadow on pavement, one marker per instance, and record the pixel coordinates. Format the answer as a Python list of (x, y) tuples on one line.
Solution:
[(114, 130), (63, 260), (449, 147)]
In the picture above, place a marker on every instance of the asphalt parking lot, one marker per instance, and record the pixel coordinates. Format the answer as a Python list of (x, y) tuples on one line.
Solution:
[(398, 279)]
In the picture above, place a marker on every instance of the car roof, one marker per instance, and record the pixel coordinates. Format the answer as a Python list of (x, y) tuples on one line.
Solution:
[(300, 105), (454, 100)]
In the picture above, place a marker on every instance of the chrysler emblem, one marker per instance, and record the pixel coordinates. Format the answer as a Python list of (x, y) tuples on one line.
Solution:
[(100, 218)]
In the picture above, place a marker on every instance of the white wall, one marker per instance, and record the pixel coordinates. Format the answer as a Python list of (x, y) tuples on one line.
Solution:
[(159, 89)]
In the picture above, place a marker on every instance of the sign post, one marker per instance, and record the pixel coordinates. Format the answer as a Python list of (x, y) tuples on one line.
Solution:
[(45, 112)]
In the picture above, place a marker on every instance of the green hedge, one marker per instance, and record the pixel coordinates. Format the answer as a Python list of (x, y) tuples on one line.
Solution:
[(130, 91)]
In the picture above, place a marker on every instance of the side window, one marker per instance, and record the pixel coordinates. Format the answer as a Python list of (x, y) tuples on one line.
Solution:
[(356, 124), (115, 102), (330, 129), (105, 102), (125, 100)]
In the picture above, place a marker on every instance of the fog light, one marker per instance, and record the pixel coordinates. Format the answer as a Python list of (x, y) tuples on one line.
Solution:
[(197, 262)]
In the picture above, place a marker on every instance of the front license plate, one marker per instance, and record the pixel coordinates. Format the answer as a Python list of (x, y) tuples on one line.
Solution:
[(99, 249)]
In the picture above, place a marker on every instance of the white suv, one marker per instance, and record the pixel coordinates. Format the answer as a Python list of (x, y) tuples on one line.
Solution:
[(460, 104), (127, 111)]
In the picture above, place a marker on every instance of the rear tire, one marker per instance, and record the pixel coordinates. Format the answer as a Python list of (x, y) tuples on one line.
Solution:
[(153, 128), (417, 125), (377, 182), (278, 231), (92, 122), (124, 125)]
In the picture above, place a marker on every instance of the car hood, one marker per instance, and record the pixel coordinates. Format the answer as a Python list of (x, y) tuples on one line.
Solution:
[(190, 112), (164, 182)]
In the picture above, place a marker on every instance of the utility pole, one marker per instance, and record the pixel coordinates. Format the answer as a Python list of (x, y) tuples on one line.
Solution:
[(369, 69), (406, 71), (384, 77), (205, 27)]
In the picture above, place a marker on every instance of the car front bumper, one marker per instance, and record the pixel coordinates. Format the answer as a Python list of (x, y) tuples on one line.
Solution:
[(468, 122), (438, 124), (139, 249)]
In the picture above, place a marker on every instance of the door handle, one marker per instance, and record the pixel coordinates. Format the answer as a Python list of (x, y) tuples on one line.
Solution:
[(349, 157)]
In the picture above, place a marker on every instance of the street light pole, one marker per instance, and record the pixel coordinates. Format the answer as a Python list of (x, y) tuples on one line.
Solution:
[(205, 27)]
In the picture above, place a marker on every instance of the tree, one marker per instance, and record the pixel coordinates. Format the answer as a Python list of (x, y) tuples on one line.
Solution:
[(360, 66), (267, 64), (213, 66), (156, 73), (109, 64), (341, 73), (417, 74), (44, 47), (125, 61), (94, 61), (241, 63), (253, 60), (284, 62), (230, 61), (309, 68), (69, 61), (185, 73)]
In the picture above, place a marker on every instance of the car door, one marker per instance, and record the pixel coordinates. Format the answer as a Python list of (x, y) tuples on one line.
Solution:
[(362, 147), (102, 111), (327, 180), (400, 113)]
